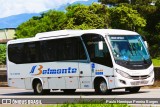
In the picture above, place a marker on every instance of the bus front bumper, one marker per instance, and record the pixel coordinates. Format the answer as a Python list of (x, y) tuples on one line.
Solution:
[(122, 82)]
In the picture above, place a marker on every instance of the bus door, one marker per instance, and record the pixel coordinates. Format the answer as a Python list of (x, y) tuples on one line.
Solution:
[(99, 58), (85, 75)]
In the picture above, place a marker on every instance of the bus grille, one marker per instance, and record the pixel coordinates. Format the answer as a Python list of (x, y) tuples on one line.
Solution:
[(139, 77)]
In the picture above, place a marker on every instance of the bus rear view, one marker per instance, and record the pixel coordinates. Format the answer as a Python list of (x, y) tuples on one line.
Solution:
[(99, 59)]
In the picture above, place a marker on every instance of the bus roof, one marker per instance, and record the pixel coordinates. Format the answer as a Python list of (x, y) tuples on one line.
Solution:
[(69, 33), (98, 31)]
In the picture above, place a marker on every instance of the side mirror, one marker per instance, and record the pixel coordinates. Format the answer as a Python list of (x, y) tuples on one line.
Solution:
[(145, 42), (100, 45)]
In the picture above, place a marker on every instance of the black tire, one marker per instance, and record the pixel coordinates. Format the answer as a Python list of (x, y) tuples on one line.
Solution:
[(38, 89), (69, 91), (101, 87), (133, 89)]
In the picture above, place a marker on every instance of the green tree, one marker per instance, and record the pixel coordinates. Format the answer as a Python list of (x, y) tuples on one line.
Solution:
[(2, 53), (158, 27), (52, 20), (87, 17), (157, 3), (126, 18), (141, 2), (150, 14)]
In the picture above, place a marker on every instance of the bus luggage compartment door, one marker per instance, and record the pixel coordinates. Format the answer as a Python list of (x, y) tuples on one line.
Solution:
[(28, 83), (71, 82)]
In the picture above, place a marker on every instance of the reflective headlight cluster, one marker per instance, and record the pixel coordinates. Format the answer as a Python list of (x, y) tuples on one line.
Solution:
[(123, 74), (151, 73)]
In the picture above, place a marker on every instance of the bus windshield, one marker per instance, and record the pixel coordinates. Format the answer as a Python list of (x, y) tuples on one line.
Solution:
[(129, 48)]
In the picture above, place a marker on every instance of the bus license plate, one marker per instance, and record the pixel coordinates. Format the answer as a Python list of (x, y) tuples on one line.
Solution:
[(139, 83)]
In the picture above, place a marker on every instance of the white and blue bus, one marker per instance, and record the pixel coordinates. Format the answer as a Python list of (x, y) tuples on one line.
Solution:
[(100, 59)]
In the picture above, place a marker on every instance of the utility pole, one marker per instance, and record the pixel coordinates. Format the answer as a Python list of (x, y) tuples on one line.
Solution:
[(6, 34)]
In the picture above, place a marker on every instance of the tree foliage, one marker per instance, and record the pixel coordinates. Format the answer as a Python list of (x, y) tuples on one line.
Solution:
[(126, 18), (141, 2), (87, 17), (113, 2), (157, 3), (52, 20), (2, 53)]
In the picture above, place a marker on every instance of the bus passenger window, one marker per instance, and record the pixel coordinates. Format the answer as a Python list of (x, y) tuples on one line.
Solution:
[(98, 56)]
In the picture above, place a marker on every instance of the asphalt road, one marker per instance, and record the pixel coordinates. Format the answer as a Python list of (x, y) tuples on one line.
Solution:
[(10, 92), (56, 96)]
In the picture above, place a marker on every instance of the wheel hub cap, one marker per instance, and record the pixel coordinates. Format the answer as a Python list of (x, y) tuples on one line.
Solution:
[(39, 88), (103, 87)]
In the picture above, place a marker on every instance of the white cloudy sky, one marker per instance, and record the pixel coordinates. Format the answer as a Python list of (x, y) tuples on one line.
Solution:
[(13, 7)]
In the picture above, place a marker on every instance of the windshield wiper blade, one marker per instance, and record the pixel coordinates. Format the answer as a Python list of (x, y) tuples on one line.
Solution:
[(130, 48)]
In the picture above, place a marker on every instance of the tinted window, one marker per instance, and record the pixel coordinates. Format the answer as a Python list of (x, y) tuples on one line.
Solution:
[(16, 53), (32, 52), (47, 51), (98, 56), (24, 52), (63, 49)]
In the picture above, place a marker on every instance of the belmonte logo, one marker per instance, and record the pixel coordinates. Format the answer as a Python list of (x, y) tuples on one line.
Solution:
[(51, 71)]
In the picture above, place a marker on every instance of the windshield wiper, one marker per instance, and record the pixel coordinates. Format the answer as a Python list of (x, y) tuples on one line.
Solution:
[(130, 48)]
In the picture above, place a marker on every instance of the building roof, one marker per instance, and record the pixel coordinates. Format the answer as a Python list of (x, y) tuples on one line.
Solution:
[(7, 34)]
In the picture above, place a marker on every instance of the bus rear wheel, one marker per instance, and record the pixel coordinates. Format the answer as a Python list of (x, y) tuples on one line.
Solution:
[(133, 89), (101, 87), (38, 89)]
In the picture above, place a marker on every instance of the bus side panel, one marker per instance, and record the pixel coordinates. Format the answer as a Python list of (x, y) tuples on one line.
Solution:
[(47, 71), (16, 82), (71, 82), (68, 79), (111, 82), (28, 83), (56, 83), (45, 83)]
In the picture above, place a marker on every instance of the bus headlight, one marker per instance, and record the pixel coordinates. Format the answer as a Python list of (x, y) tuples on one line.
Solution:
[(151, 73), (123, 74)]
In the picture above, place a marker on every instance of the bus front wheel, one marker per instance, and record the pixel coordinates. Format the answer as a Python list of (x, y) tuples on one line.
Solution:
[(38, 89), (101, 87)]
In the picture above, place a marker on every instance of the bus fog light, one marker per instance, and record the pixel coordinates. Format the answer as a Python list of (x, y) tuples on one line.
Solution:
[(122, 81)]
